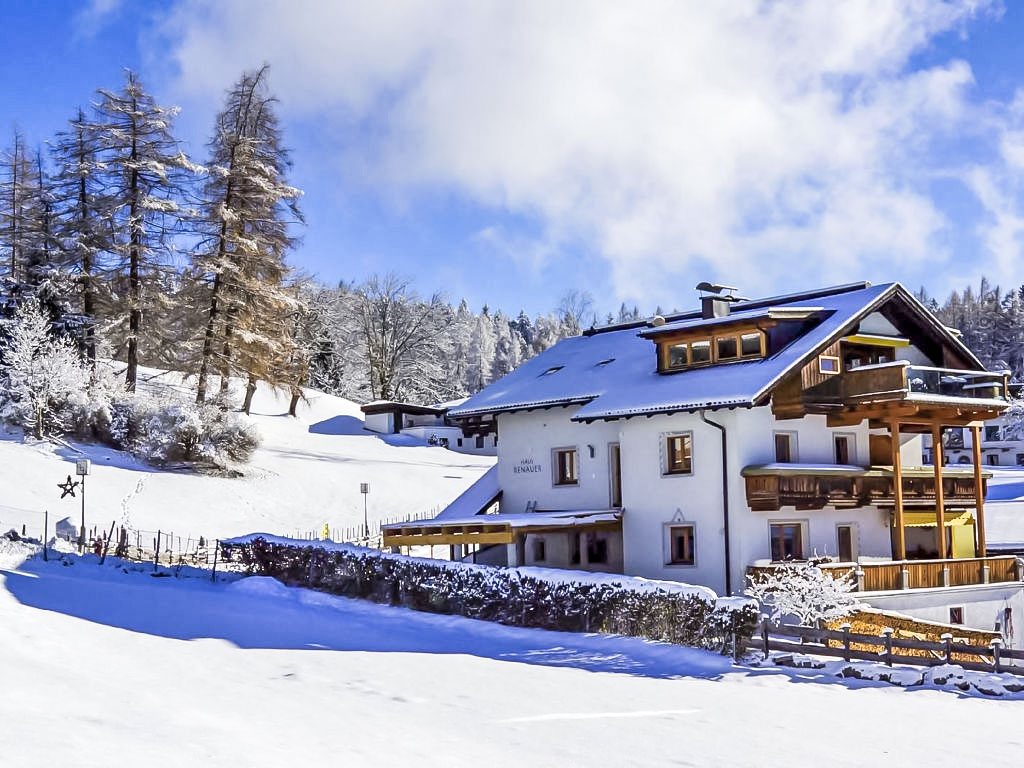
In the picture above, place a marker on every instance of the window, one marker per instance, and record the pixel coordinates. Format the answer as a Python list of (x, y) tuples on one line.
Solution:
[(785, 447), (787, 541), (993, 460), (991, 433), (828, 364), (956, 614), (678, 454), (1020, 459), (846, 544), (538, 550), (460, 442), (843, 448), (552, 369), (574, 549), (495, 441), (681, 541), (700, 352), (750, 345), (727, 347), (597, 548), (677, 355), (479, 441), (565, 467)]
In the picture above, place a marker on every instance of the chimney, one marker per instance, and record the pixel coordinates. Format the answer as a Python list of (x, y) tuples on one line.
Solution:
[(716, 300)]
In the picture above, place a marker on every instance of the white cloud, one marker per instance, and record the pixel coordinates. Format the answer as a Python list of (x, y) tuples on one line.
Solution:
[(747, 138), (94, 15)]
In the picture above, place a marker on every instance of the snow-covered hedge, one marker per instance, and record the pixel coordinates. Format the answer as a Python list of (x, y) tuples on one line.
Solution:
[(569, 601)]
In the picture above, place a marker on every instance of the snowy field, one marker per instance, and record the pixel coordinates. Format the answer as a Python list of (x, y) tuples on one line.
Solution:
[(306, 473), (102, 667)]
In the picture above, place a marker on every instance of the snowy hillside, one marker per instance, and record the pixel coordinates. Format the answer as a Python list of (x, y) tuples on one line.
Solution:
[(306, 473)]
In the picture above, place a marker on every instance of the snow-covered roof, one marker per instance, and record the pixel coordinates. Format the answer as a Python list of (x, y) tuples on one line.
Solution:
[(474, 499), (519, 520), (613, 373)]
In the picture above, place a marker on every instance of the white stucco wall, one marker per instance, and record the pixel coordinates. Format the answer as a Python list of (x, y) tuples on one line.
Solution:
[(381, 423), (652, 500)]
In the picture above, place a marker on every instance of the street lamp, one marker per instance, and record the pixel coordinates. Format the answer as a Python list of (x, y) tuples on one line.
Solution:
[(364, 488), (82, 469)]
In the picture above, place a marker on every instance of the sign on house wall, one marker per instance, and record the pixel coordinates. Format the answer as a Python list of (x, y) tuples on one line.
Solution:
[(526, 467)]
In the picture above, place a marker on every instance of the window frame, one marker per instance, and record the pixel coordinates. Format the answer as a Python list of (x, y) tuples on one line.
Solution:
[(833, 358), (593, 538), (851, 447), (556, 466), (712, 340), (854, 541), (669, 544), (666, 437), (801, 526), (794, 446)]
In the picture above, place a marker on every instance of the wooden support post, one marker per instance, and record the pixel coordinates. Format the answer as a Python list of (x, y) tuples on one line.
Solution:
[(940, 500), (887, 634), (979, 491), (897, 486), (996, 642)]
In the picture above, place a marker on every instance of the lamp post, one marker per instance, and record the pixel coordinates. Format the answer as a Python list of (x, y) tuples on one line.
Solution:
[(82, 469), (364, 488)]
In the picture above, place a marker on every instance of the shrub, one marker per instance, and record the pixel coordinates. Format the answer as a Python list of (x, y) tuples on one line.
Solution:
[(570, 601)]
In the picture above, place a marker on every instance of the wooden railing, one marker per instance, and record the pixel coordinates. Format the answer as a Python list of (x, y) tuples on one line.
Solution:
[(898, 380), (920, 574), (886, 648), (770, 488)]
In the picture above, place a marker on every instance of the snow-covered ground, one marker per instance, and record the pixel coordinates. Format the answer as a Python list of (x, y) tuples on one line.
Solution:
[(306, 473), (102, 667)]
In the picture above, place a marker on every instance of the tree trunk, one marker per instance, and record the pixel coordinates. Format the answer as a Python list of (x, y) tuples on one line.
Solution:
[(225, 366), (250, 390), (134, 281), (211, 327), (294, 404)]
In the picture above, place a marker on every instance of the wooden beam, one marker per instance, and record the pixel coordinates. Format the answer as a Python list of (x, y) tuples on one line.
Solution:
[(897, 486), (940, 502), (426, 539), (979, 489)]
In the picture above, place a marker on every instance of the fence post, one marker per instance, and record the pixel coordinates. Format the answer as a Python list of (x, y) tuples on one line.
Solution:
[(947, 638), (860, 579), (106, 544), (156, 554), (887, 634), (904, 578), (764, 636), (996, 642), (845, 627), (46, 530), (216, 551)]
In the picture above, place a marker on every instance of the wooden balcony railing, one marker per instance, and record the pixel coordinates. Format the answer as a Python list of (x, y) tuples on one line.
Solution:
[(773, 486), (918, 574), (901, 381)]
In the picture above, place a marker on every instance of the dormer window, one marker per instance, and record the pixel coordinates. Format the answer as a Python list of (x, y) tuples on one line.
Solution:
[(552, 369), (723, 347)]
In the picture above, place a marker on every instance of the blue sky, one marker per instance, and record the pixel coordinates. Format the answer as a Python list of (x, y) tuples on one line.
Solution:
[(506, 153)]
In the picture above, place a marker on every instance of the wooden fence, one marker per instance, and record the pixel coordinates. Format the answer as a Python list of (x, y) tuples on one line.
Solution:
[(844, 644)]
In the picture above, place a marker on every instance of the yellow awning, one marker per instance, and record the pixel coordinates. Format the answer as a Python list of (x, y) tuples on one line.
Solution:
[(918, 519)]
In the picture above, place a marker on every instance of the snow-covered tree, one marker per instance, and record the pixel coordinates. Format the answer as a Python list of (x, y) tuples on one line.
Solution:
[(804, 590), (41, 372), (248, 210), (145, 184)]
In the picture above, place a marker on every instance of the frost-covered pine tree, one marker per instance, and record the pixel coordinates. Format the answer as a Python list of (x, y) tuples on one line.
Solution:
[(249, 209), (82, 219), (145, 184), (41, 372)]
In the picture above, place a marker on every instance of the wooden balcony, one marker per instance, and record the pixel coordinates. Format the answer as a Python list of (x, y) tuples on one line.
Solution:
[(773, 486), (896, 390), (918, 574)]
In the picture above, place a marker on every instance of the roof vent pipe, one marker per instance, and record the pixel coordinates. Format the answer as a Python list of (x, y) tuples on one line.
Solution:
[(718, 303)]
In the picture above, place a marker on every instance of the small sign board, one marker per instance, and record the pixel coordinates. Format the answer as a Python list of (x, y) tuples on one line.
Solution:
[(364, 487), (82, 467)]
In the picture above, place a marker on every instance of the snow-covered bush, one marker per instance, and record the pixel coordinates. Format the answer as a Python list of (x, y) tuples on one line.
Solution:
[(527, 597), (804, 590), (41, 373)]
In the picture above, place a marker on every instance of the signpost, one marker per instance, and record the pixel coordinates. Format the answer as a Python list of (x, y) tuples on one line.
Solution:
[(364, 488), (82, 469)]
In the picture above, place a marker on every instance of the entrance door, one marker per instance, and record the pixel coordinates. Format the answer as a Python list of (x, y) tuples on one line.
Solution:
[(614, 476)]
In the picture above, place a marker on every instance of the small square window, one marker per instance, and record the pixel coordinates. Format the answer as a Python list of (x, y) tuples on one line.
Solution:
[(677, 355), (700, 352), (956, 614), (991, 433), (679, 454), (787, 541), (750, 345), (566, 471), (728, 349), (828, 364), (681, 542)]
